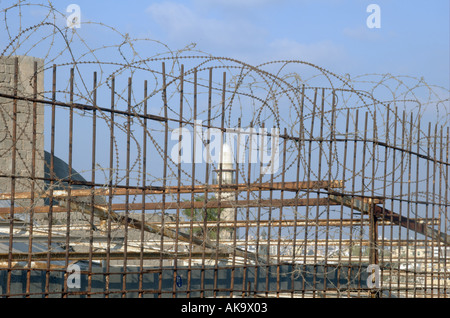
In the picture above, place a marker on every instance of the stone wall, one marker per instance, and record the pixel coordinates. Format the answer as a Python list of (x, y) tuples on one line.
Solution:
[(24, 127)]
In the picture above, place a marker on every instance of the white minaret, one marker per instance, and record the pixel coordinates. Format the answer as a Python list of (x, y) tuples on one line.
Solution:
[(227, 214)]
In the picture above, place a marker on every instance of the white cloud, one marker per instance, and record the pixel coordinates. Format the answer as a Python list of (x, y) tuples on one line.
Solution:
[(173, 16), (318, 52), (235, 37), (185, 25)]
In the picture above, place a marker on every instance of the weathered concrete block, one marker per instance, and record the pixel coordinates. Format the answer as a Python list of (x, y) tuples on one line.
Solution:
[(24, 124)]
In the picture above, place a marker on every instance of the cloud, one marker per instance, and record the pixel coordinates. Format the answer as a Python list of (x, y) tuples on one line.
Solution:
[(185, 25), (230, 35), (174, 17), (318, 52)]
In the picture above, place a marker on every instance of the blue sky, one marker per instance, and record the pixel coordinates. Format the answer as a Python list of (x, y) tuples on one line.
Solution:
[(413, 38)]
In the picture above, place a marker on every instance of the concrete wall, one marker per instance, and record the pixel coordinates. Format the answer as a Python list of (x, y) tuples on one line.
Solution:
[(24, 130)]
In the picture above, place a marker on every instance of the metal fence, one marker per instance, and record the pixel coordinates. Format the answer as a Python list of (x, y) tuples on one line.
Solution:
[(202, 184)]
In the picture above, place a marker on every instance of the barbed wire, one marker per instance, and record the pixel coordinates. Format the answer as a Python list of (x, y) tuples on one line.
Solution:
[(322, 112)]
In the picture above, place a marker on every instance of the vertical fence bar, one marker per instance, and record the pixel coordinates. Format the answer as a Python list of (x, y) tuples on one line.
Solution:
[(110, 188), (280, 217), (52, 179), (442, 247), (401, 192), (175, 262), (164, 180), (245, 288), (318, 213), (330, 165), (127, 191), (301, 142), (311, 137), (353, 178), (93, 160), (258, 219), (446, 227), (219, 174), (221, 180), (433, 208), (363, 186), (69, 183), (204, 210), (235, 229), (408, 206), (382, 261), (428, 178), (13, 178), (446, 198), (394, 152), (194, 157), (416, 205), (372, 217), (269, 227), (144, 184), (340, 266), (33, 184)]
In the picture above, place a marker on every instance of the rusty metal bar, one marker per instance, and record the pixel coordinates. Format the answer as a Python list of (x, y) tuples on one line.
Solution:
[(297, 178), (127, 184), (433, 187), (393, 180), (363, 186), (408, 205), (355, 145), (384, 203), (204, 232), (93, 160), (319, 174), (235, 211), (417, 191), (373, 228), (330, 164), (446, 199), (175, 262), (116, 191), (166, 134), (280, 216), (52, 177), (13, 172), (33, 180), (341, 210), (144, 173), (392, 217), (258, 214), (69, 197), (308, 179), (194, 154), (283, 223), (247, 211), (110, 184)]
